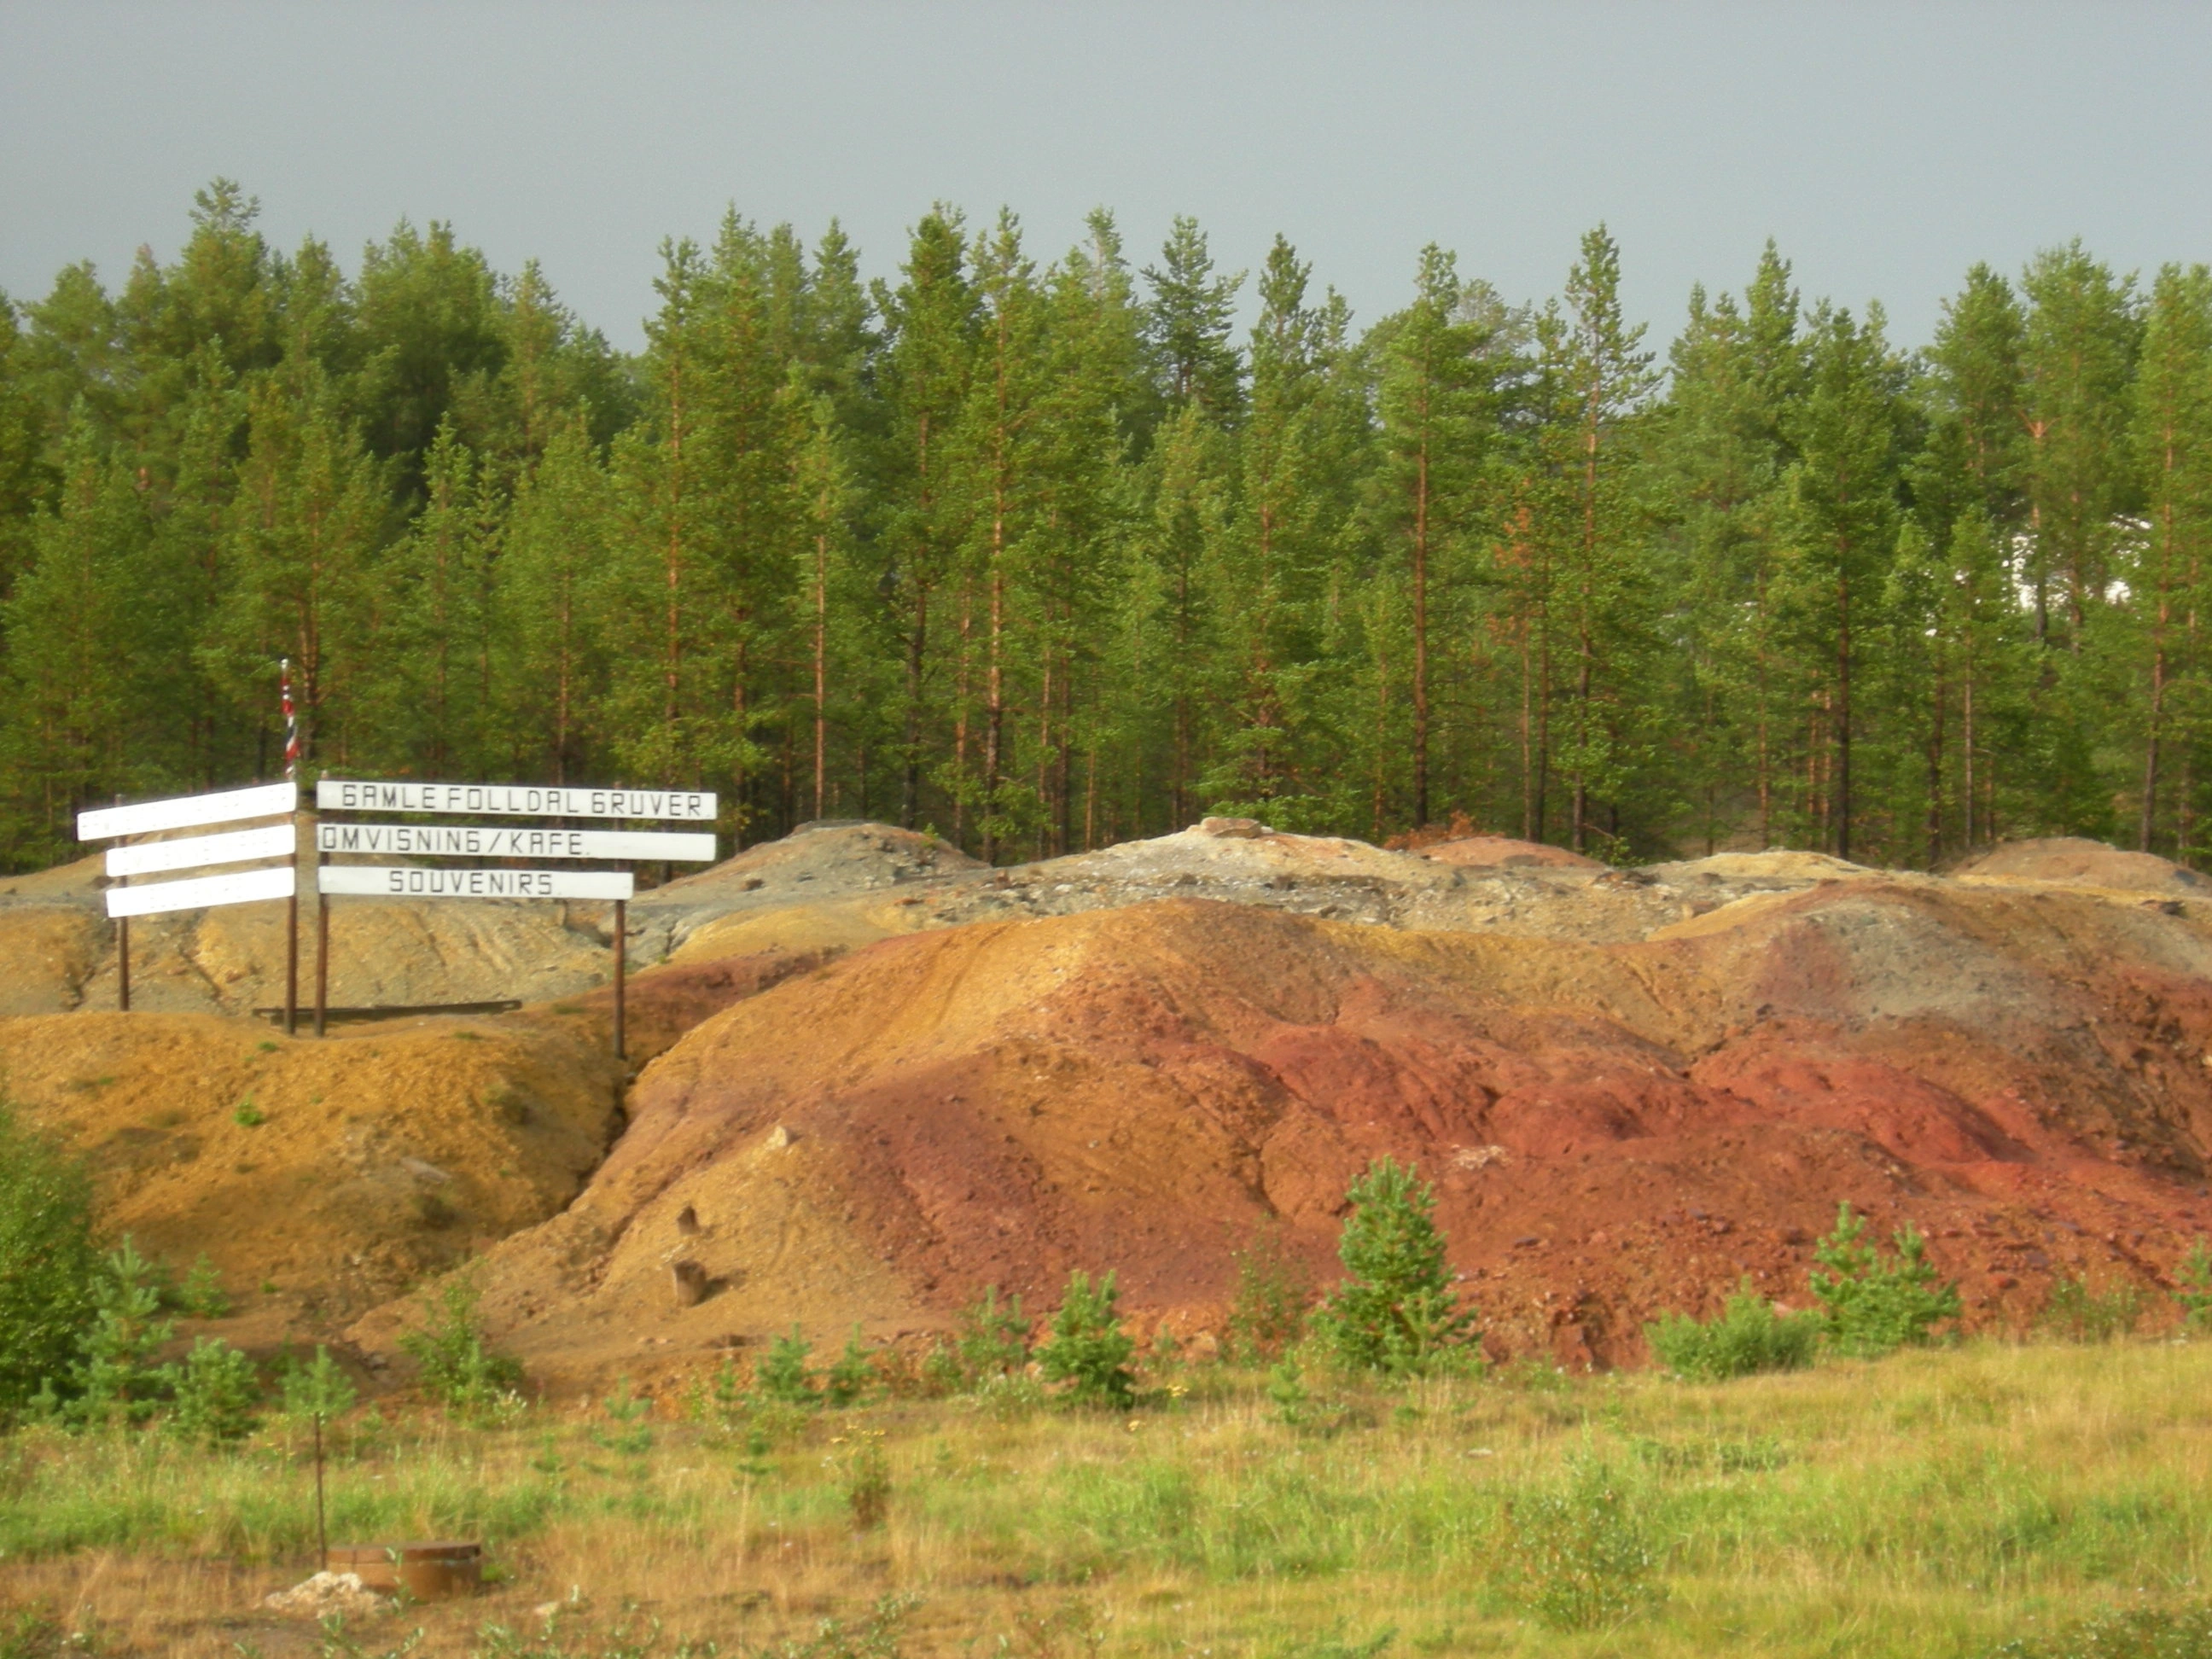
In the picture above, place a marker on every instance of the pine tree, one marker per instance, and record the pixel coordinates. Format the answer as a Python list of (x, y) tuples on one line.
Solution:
[(2172, 434), (1738, 371), (1602, 376), (74, 627), (1843, 498), (306, 523), (930, 322), (1188, 321), (550, 602), (434, 688), (1432, 403)]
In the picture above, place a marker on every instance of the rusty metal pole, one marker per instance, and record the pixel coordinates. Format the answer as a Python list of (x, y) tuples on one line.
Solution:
[(292, 952), (322, 948), (122, 940), (622, 955)]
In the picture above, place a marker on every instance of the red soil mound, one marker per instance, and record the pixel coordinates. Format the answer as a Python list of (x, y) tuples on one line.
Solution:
[(322, 1178), (1613, 1129)]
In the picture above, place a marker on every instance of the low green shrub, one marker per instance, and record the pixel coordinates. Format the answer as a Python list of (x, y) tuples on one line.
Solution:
[(1748, 1336), (1871, 1306), (202, 1296), (1585, 1555), (782, 1375), (994, 1339), (2194, 1290), (2076, 1312), (2122, 1633), (629, 1412), (315, 1387), (216, 1396), (1274, 1291), (460, 1368), (867, 1471), (1088, 1348), (49, 1266), (853, 1378)]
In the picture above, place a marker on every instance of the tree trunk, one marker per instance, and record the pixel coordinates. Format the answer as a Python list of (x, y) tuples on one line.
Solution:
[(1421, 638)]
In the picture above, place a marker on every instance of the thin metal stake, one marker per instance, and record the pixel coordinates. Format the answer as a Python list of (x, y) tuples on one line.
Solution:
[(292, 953), (122, 940), (621, 954), (322, 948), (292, 940)]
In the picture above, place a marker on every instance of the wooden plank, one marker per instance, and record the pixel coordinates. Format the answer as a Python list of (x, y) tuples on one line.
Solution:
[(401, 1011), (266, 801), (202, 892), (147, 858)]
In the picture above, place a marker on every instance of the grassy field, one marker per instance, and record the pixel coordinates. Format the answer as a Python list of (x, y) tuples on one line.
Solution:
[(1934, 1503)]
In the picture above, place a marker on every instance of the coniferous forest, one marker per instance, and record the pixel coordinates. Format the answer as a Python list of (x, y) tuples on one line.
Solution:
[(1044, 549)]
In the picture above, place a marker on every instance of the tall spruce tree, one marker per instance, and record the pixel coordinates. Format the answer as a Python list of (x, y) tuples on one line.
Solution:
[(1433, 408), (2168, 583)]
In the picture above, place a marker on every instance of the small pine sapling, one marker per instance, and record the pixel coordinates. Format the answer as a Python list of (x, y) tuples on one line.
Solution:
[(317, 1388), (1267, 1311), (867, 1470), (629, 1411), (1397, 1309), (1286, 1390), (215, 1392), (1088, 1348), (853, 1377), (2195, 1294), (994, 1337), (202, 1296), (116, 1382), (1871, 1306), (782, 1375), (460, 1367)]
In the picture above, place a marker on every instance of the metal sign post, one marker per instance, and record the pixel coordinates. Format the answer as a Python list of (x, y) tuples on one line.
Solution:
[(496, 841), (117, 823)]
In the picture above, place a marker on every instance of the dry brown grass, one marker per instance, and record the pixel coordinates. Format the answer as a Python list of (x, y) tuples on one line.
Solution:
[(1933, 1503)]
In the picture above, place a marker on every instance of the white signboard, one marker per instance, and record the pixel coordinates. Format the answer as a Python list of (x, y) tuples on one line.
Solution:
[(201, 892), (266, 801), (405, 881), (485, 841), (514, 800), (236, 847)]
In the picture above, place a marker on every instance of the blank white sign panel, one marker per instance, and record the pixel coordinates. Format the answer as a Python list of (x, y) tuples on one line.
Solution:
[(234, 846), (265, 800), (492, 841), (201, 892), (407, 881)]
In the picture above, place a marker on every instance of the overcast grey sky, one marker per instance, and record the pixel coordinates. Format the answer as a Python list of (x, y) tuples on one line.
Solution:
[(1885, 147)]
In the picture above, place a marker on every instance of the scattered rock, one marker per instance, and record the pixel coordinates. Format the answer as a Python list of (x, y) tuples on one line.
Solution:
[(326, 1594)]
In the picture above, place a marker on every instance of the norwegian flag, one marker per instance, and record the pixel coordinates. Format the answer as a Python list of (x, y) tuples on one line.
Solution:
[(291, 722)]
